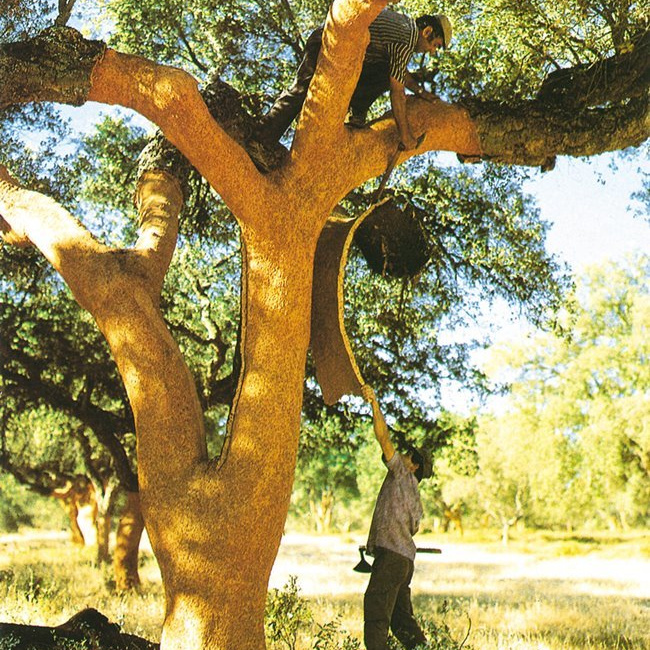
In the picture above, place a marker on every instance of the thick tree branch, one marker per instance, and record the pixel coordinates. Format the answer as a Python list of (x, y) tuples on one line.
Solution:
[(159, 200), (345, 40), (34, 480), (534, 133), (65, 11), (54, 66), (77, 256), (68, 246), (167, 96), (59, 65), (616, 79)]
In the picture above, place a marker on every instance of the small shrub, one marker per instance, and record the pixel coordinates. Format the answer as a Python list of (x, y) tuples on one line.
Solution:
[(329, 636), (286, 615), (438, 633), (35, 583)]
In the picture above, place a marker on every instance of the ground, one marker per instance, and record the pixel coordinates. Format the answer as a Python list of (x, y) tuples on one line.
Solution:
[(546, 592)]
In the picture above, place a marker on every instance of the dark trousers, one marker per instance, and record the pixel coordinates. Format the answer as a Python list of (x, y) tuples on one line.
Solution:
[(373, 82), (387, 603)]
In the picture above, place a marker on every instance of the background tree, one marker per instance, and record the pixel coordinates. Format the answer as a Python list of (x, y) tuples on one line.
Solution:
[(326, 472), (280, 215), (577, 405)]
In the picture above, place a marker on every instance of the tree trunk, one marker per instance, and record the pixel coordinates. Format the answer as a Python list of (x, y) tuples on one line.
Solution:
[(127, 544), (104, 501), (103, 538), (322, 511), (247, 497), (76, 536), (505, 532)]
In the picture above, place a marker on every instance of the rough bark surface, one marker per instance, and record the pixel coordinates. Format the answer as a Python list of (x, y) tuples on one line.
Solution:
[(535, 132), (55, 66), (127, 544)]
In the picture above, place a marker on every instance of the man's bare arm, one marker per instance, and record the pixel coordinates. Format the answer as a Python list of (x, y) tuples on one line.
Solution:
[(398, 104), (379, 424)]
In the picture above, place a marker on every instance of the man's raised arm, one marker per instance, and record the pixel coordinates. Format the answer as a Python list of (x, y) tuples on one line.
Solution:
[(379, 423)]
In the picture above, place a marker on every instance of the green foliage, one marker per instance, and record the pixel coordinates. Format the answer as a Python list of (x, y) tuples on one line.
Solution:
[(14, 508), (287, 614), (573, 441), (328, 637), (105, 172), (438, 633), (23, 17), (503, 49), (326, 470), (488, 243)]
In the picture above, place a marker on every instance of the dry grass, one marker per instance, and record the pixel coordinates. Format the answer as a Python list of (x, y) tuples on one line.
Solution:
[(547, 592)]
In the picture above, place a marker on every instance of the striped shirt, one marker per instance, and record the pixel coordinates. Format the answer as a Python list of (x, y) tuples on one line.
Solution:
[(393, 39)]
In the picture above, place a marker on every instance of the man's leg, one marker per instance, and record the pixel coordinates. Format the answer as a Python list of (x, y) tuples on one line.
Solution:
[(373, 82), (389, 571), (403, 623), (287, 106)]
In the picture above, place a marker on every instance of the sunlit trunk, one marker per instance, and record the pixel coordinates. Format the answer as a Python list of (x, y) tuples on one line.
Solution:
[(127, 544), (322, 511), (76, 535), (103, 527), (215, 526)]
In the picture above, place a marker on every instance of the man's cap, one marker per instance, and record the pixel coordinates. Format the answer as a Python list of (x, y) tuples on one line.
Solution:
[(445, 23)]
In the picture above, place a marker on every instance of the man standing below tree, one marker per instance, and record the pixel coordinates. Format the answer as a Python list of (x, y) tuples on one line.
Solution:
[(394, 38), (387, 602)]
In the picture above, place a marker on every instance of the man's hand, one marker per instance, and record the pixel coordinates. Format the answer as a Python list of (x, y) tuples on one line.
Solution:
[(398, 104), (379, 424)]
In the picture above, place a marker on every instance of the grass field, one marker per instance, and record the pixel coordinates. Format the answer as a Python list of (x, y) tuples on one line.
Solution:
[(545, 592)]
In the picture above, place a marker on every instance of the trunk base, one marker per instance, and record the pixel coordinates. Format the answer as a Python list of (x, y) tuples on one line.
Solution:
[(89, 628)]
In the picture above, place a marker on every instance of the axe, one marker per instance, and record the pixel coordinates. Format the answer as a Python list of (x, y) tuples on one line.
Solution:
[(365, 567), (389, 169)]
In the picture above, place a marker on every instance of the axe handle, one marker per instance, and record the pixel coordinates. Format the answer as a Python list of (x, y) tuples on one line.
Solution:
[(391, 165), (384, 179), (417, 550)]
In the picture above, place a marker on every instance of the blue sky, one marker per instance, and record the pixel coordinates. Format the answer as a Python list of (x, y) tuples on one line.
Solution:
[(592, 220), (589, 207)]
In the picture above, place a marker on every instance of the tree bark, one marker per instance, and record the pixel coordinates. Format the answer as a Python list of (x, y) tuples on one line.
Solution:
[(105, 501)]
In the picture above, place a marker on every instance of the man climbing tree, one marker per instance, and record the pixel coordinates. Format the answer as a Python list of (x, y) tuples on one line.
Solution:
[(394, 38), (215, 524)]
